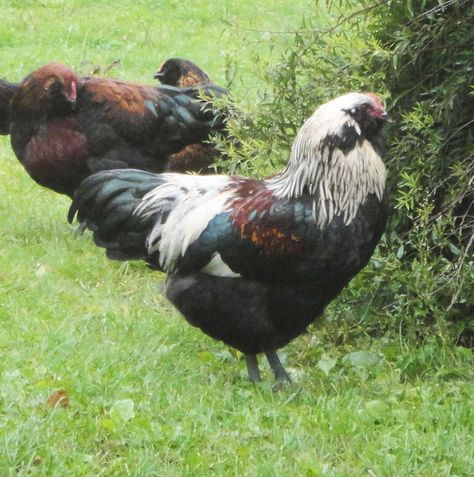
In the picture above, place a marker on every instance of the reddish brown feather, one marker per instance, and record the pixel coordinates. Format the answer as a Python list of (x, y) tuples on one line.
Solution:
[(39, 82), (195, 157), (250, 217), (45, 156), (191, 79), (129, 97)]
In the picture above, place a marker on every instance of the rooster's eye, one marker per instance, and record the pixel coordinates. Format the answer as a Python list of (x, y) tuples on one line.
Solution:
[(55, 86)]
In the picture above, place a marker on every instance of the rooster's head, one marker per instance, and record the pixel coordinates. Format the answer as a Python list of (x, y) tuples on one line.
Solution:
[(337, 157), (54, 87)]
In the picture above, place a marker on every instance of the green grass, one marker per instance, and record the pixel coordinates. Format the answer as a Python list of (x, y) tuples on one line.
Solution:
[(219, 36), (148, 394)]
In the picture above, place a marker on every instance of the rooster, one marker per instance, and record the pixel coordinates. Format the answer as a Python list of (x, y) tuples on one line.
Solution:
[(7, 90), (254, 262), (183, 73), (65, 127)]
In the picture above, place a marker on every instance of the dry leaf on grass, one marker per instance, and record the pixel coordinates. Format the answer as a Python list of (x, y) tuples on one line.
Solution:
[(58, 399)]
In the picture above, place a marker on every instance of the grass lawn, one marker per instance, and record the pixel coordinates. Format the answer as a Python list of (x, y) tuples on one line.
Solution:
[(148, 395)]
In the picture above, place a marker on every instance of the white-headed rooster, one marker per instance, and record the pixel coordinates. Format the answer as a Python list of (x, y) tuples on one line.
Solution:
[(254, 262)]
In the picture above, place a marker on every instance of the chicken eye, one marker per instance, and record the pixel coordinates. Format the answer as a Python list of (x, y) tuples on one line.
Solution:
[(55, 86)]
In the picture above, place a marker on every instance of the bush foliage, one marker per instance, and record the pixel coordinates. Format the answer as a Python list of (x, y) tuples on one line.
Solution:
[(418, 56)]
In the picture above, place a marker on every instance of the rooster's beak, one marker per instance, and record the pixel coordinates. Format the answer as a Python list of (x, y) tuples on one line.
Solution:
[(72, 96), (381, 114)]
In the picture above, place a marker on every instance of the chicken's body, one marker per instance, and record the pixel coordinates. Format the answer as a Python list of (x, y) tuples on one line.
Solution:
[(65, 127), (183, 73), (253, 263)]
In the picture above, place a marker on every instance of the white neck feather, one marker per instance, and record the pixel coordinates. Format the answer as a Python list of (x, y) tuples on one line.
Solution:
[(338, 181)]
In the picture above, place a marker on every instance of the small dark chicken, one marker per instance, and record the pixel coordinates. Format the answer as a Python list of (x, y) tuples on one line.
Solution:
[(181, 73), (184, 74), (65, 127), (250, 262), (7, 90)]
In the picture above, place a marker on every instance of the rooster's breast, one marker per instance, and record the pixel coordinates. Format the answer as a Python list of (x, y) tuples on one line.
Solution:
[(55, 156)]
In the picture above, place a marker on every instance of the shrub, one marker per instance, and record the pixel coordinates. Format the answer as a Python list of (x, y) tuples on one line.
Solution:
[(418, 55)]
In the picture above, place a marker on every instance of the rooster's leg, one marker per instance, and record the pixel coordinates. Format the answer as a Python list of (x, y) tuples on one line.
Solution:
[(252, 368), (277, 367)]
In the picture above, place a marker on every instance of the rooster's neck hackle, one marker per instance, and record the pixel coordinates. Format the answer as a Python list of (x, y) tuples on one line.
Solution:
[(337, 173)]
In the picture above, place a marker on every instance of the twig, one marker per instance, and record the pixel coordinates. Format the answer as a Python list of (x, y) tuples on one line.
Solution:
[(353, 15), (438, 8)]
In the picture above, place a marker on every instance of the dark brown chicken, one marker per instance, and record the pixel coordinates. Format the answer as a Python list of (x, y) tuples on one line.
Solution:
[(65, 127), (7, 90), (183, 73)]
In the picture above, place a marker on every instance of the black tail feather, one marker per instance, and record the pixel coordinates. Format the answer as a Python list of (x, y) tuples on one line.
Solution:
[(102, 188), (105, 203)]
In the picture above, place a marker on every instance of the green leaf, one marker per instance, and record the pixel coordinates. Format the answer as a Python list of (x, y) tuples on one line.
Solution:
[(454, 249), (395, 62), (363, 359), (122, 411), (206, 356), (326, 363), (107, 424), (378, 409)]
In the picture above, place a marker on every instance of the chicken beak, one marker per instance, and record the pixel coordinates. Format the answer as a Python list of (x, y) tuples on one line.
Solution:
[(382, 115), (72, 96), (158, 75)]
